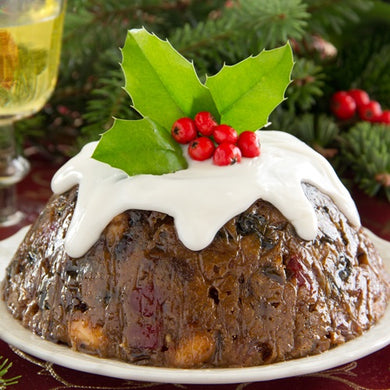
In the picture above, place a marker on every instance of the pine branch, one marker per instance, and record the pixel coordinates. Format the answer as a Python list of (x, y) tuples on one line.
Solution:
[(95, 26), (366, 150), (109, 20), (5, 382), (364, 58), (240, 31), (107, 100), (330, 16), (376, 76), (307, 86)]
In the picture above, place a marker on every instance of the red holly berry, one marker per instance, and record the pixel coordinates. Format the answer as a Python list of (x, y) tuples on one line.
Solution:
[(201, 148), (361, 97), (184, 130), (342, 105), (385, 117), (205, 123), (226, 154), (225, 133), (249, 144), (371, 111)]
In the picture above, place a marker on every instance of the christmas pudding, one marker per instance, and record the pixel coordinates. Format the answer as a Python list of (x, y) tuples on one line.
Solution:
[(198, 265)]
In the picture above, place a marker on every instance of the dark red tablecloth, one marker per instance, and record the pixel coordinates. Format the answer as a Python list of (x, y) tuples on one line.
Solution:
[(369, 373)]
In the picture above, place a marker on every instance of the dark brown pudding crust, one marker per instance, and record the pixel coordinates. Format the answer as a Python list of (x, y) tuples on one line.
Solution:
[(258, 294)]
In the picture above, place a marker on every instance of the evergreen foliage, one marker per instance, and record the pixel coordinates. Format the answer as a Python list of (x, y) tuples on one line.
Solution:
[(5, 382), (365, 148), (240, 31), (338, 45), (332, 16)]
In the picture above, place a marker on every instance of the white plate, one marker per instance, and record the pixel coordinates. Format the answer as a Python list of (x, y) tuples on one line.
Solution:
[(12, 332)]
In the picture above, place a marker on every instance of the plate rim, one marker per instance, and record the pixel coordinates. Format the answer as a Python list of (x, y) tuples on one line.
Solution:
[(13, 333)]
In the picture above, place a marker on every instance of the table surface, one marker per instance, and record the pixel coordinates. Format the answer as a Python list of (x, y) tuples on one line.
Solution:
[(369, 373)]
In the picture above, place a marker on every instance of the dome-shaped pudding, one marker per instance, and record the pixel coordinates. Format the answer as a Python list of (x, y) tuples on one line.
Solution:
[(124, 267)]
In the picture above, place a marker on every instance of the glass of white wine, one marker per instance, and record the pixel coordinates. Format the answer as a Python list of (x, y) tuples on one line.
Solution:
[(30, 44)]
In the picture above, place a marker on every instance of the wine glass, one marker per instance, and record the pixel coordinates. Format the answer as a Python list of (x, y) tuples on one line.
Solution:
[(30, 44)]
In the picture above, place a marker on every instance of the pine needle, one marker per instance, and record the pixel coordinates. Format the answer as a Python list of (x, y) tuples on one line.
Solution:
[(5, 382)]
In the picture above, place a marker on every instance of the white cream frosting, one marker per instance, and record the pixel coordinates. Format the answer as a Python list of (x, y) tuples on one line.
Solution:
[(202, 198)]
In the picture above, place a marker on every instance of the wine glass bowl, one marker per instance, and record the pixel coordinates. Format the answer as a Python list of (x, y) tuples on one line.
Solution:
[(30, 44)]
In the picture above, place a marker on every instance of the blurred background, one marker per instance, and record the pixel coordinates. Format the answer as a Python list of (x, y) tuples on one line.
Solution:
[(338, 46)]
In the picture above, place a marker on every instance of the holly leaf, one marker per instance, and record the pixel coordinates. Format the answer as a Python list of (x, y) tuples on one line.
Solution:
[(246, 93), (140, 147), (162, 84)]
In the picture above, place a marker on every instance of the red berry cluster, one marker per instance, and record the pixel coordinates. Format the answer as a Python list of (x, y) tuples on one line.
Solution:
[(346, 104), (206, 138)]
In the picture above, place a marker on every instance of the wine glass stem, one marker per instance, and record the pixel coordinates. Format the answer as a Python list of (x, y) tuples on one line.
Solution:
[(13, 168)]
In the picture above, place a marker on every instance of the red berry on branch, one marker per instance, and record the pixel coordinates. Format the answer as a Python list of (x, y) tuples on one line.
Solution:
[(205, 123), (226, 154), (201, 148), (371, 111), (385, 117), (342, 105), (249, 144), (184, 130), (361, 97), (225, 133)]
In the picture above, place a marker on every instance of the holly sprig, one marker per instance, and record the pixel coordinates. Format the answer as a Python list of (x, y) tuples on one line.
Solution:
[(164, 86), (5, 382)]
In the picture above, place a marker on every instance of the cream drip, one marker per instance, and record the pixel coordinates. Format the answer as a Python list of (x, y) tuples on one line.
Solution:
[(202, 198)]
